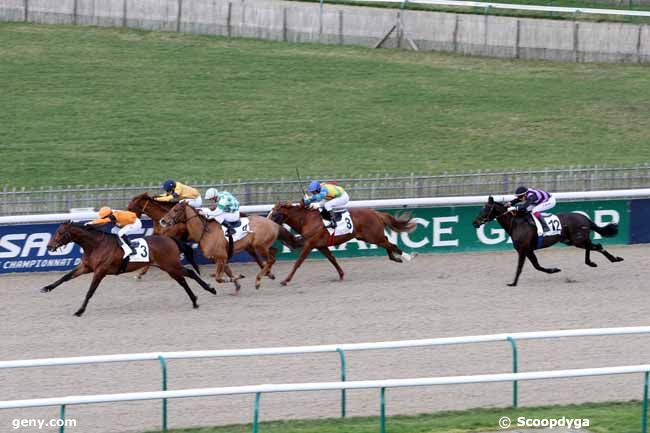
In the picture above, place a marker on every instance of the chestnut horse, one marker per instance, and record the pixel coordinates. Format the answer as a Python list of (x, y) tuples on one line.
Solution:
[(103, 254), (154, 209), (213, 243), (575, 231), (368, 225)]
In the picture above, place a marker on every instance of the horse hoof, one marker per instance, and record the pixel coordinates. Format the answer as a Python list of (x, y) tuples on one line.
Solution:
[(554, 270), (619, 259), (79, 313), (212, 290), (284, 283), (592, 264), (195, 306), (271, 276), (512, 284), (46, 290), (341, 277), (257, 286), (241, 276)]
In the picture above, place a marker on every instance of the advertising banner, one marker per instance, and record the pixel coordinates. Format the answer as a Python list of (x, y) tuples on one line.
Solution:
[(23, 248)]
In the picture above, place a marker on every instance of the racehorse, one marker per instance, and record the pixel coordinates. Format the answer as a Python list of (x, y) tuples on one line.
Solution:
[(103, 254), (213, 242), (154, 209), (368, 226), (575, 231)]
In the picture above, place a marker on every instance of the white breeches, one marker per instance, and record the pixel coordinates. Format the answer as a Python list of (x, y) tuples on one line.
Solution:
[(548, 204), (337, 203), (194, 202), (129, 229), (220, 216)]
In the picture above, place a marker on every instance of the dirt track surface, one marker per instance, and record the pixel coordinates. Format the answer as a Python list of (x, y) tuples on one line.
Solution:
[(433, 296)]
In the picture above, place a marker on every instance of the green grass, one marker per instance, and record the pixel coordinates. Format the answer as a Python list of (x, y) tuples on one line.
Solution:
[(92, 105), (603, 418)]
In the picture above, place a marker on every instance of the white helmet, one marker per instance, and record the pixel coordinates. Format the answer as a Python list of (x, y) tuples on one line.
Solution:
[(211, 193)]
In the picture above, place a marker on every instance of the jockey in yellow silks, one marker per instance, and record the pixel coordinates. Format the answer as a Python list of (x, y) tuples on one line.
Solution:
[(176, 191), (334, 196)]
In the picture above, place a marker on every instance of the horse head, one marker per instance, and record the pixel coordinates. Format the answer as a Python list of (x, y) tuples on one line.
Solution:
[(284, 211), (176, 215), (139, 203), (62, 236), (490, 211)]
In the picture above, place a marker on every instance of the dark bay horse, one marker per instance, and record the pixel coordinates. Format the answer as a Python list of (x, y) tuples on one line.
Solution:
[(156, 210), (575, 231), (103, 254), (368, 225)]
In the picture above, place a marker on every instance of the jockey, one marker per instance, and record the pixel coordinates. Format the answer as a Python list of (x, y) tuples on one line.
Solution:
[(176, 191), (534, 201), (335, 198), (126, 223), (224, 209)]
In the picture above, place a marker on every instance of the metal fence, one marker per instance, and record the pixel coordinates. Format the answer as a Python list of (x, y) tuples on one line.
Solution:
[(19, 201)]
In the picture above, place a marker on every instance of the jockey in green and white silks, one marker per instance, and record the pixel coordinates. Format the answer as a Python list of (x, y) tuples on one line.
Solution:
[(334, 196), (224, 209)]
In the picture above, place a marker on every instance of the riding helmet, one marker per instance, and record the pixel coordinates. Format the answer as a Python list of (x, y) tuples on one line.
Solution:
[(211, 193), (169, 185), (521, 191), (314, 186), (105, 211)]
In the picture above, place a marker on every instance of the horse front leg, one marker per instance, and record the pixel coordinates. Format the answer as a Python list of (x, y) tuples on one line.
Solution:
[(235, 280), (327, 253), (520, 265), (79, 270), (306, 249), (142, 273), (533, 259), (97, 278)]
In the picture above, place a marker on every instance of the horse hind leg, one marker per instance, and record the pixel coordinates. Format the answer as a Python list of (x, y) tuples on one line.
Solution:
[(612, 258), (191, 274), (392, 249), (178, 276), (142, 273)]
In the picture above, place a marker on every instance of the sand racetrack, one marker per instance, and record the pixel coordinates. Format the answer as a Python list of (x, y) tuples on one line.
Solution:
[(434, 296)]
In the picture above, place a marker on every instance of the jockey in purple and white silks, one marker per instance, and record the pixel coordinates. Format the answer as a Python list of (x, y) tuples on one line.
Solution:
[(534, 201)]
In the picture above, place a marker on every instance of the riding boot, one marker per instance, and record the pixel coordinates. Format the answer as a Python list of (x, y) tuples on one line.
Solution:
[(538, 224), (542, 221), (127, 242), (123, 264), (328, 216), (229, 229)]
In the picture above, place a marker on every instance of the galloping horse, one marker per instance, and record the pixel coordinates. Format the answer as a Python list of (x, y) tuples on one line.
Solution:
[(368, 224), (213, 243), (154, 209), (575, 231), (103, 255)]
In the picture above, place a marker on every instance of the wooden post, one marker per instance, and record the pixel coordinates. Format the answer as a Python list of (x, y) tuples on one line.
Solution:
[(340, 27), (26, 9), (517, 36), (179, 16), (124, 11), (638, 44), (229, 19), (575, 41), (456, 34), (284, 24), (75, 12)]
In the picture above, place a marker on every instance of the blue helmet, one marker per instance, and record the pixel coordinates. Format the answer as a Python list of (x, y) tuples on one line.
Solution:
[(169, 185), (314, 186)]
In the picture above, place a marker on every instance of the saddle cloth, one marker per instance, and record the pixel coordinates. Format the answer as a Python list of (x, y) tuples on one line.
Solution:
[(141, 249), (240, 231), (344, 223), (553, 223)]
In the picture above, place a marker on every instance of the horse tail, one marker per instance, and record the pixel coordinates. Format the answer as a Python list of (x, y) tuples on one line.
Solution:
[(288, 239), (187, 249), (607, 231), (400, 223)]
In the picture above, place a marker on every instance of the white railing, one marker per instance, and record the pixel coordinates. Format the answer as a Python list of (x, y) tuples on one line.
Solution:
[(387, 203), (489, 5), (340, 349), (258, 390)]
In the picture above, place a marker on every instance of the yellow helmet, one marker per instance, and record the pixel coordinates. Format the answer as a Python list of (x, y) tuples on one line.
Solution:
[(105, 211)]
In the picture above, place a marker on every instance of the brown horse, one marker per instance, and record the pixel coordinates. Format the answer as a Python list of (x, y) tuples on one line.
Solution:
[(575, 231), (368, 224), (103, 255), (213, 243), (154, 209)]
